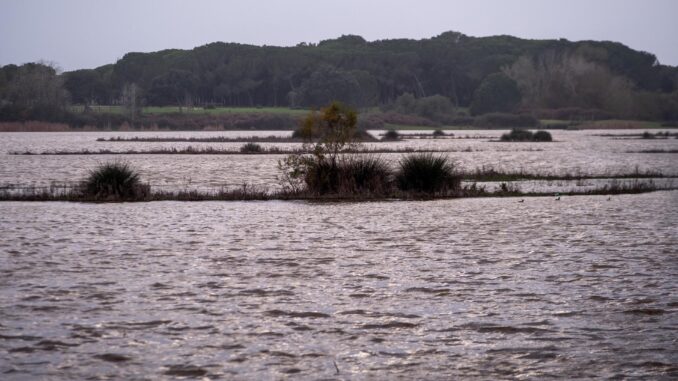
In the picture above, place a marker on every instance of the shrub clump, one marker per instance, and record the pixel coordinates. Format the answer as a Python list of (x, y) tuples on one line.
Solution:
[(542, 136), (520, 135), (115, 181), (352, 175), (428, 174), (251, 148), (391, 135), (438, 133)]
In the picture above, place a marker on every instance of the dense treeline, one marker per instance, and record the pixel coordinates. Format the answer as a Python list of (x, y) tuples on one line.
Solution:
[(488, 75)]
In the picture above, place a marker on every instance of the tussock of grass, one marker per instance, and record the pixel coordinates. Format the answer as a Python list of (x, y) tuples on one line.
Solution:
[(427, 174), (114, 181), (251, 148)]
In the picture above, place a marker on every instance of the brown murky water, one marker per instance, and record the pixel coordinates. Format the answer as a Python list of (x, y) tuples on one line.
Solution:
[(581, 288)]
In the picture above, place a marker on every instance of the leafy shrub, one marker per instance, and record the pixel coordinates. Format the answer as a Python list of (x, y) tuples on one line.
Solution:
[(438, 133), (251, 148), (115, 181), (427, 173)]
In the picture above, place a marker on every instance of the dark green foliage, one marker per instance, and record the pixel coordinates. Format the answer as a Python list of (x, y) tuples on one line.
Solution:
[(251, 148), (428, 174), (447, 71), (498, 120), (520, 135), (647, 135), (436, 108), (497, 93), (391, 135), (115, 181), (438, 133)]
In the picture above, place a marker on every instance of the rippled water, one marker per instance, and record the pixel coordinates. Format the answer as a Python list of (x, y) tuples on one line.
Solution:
[(573, 151), (582, 288)]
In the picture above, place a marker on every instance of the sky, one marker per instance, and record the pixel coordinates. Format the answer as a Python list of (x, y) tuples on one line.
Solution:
[(76, 34)]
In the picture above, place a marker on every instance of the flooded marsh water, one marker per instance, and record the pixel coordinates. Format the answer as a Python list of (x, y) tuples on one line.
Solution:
[(572, 152), (486, 288), (476, 288)]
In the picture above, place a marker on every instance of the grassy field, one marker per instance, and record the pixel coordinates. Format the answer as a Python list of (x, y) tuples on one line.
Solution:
[(199, 110)]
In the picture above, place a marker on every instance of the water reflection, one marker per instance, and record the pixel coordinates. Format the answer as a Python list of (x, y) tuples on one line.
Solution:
[(473, 288)]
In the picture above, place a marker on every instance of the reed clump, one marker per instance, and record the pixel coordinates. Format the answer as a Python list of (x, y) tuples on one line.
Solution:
[(251, 148), (428, 174), (115, 181), (368, 176)]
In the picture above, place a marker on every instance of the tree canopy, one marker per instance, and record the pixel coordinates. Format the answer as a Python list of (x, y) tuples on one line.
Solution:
[(467, 71)]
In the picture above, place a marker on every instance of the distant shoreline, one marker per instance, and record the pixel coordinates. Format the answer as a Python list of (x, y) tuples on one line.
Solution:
[(35, 126)]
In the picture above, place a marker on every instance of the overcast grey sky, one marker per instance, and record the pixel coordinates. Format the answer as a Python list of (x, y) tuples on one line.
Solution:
[(88, 33)]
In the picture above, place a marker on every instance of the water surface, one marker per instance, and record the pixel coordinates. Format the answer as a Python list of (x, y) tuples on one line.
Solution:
[(581, 288)]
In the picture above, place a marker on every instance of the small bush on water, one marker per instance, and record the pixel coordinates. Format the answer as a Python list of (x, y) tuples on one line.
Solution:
[(115, 181), (391, 135), (520, 135), (542, 136), (251, 148), (427, 173), (438, 133), (517, 135)]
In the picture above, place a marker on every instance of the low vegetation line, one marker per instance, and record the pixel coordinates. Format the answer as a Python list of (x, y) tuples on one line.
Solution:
[(248, 193), (489, 174), (246, 149), (655, 151), (211, 139)]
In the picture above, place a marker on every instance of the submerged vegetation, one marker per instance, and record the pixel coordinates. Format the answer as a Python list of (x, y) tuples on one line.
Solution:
[(332, 164)]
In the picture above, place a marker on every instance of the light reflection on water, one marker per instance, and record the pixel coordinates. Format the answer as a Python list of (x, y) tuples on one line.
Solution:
[(475, 288), (573, 152)]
